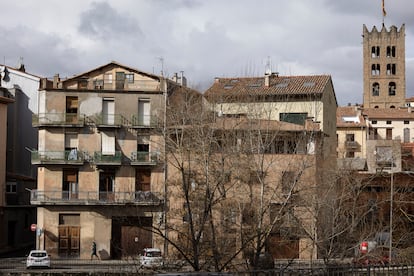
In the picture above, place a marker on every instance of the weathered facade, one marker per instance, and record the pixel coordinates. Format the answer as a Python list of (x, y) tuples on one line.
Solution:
[(271, 107), (100, 162)]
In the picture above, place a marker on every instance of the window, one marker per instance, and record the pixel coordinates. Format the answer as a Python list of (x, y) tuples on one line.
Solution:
[(384, 156), (350, 137), (119, 80), (108, 142), (294, 118), (129, 78), (374, 122), (391, 69), (82, 84), (70, 184), (144, 112), (375, 69), (375, 51), (389, 134), (11, 187), (71, 146), (406, 122), (406, 135), (350, 154), (375, 89), (390, 51), (389, 122), (391, 88), (288, 181), (108, 78)]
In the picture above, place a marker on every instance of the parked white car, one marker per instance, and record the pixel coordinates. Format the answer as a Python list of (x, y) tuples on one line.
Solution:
[(38, 258), (151, 258)]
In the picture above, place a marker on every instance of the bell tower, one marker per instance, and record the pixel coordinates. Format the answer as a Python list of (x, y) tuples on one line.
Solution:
[(384, 67)]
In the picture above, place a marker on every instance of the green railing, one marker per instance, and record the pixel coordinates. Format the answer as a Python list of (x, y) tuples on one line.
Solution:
[(109, 120), (58, 119), (94, 197), (144, 157), (57, 157), (107, 158), (144, 121)]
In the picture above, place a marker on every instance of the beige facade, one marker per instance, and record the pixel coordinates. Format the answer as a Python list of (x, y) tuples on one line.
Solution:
[(296, 101), (384, 67), (100, 164)]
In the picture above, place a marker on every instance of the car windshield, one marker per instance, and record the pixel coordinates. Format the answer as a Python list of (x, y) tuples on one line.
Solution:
[(153, 254), (38, 254)]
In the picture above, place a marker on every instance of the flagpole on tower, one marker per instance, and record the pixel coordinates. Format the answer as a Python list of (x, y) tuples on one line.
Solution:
[(384, 13)]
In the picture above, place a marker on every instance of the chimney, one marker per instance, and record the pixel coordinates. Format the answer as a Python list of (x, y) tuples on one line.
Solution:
[(56, 80), (267, 80)]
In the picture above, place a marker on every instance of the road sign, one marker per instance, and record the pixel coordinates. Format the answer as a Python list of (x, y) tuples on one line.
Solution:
[(33, 227)]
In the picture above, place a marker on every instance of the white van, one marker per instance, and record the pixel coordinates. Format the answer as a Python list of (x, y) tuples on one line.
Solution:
[(151, 258)]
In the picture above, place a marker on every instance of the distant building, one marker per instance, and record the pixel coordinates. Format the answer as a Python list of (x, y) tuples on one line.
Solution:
[(384, 67), (21, 139)]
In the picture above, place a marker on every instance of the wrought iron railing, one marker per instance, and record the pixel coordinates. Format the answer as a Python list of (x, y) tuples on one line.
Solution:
[(109, 120), (56, 119), (114, 158), (58, 157), (144, 121), (144, 157), (39, 197)]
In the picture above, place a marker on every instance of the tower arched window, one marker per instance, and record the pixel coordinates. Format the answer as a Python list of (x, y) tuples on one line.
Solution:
[(392, 88), (375, 89), (391, 69), (390, 51), (375, 69), (375, 51)]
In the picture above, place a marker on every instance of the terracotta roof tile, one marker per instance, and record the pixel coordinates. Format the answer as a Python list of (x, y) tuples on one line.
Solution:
[(278, 85), (388, 113), (349, 111)]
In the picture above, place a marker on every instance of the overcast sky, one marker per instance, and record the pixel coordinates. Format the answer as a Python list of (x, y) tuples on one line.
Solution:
[(203, 38)]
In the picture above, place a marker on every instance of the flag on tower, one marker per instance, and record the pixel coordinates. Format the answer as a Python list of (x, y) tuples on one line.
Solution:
[(384, 13)]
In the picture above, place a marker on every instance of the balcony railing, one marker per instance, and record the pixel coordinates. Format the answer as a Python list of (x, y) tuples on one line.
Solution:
[(351, 144), (144, 158), (100, 158), (101, 84), (58, 119), (144, 121), (94, 198), (73, 157), (109, 120)]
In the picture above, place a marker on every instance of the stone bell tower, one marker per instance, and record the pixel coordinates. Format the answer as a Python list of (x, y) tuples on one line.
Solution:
[(384, 67)]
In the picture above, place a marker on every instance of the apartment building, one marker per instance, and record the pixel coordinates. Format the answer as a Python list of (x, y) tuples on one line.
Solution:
[(101, 170), (292, 115)]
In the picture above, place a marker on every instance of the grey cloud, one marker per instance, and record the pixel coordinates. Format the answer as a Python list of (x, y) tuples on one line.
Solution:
[(103, 22)]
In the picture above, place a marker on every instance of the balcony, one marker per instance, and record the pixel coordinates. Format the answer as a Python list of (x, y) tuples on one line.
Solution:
[(145, 121), (140, 158), (129, 85), (70, 157), (94, 198), (58, 120), (100, 158), (351, 144), (108, 120)]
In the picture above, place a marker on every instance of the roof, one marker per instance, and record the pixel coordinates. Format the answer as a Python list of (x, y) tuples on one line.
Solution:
[(114, 63), (349, 116), (278, 86), (388, 113)]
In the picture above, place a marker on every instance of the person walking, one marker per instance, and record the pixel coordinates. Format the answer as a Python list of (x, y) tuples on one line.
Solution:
[(93, 253)]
